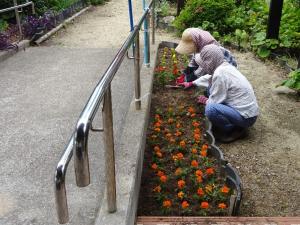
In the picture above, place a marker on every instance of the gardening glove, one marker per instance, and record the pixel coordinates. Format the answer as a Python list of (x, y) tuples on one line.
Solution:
[(202, 100), (180, 79), (187, 84)]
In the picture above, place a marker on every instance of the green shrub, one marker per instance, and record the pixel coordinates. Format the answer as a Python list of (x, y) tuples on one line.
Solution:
[(210, 15), (293, 81), (3, 25)]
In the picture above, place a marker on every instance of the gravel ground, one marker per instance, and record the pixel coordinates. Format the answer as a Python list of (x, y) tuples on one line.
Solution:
[(268, 160)]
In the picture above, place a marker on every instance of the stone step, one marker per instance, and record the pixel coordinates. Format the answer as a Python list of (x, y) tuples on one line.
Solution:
[(147, 220)]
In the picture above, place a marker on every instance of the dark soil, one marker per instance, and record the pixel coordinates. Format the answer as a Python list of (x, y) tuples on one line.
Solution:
[(174, 103)]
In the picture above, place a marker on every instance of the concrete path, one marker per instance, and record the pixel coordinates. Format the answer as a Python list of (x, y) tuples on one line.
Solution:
[(43, 91)]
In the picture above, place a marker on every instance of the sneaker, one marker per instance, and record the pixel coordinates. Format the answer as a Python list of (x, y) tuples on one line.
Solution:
[(235, 134)]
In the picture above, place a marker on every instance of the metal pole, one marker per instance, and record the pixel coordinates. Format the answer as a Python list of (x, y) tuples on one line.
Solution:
[(109, 151), (18, 18), (130, 15), (137, 72), (148, 39), (153, 22)]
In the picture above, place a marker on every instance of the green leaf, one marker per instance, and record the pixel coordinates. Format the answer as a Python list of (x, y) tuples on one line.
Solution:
[(263, 52)]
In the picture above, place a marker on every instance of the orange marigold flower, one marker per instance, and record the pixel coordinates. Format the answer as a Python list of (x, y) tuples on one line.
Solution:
[(210, 171), (194, 163), (185, 204), (180, 195), (170, 120), (204, 205), (175, 157), (160, 173), (154, 166), (157, 129), (191, 110), (197, 131), (208, 188), (159, 154), (168, 135), (178, 171), (157, 124), (157, 116), (179, 156), (167, 203), (204, 147), (197, 137), (193, 115), (225, 189), (195, 124), (178, 133), (203, 153), (200, 192), (163, 178), (157, 189), (222, 206), (199, 179), (181, 184), (156, 149), (182, 144), (199, 173), (194, 150), (178, 125)]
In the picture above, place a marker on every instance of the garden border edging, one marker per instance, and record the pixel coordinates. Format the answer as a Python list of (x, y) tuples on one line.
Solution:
[(22, 45)]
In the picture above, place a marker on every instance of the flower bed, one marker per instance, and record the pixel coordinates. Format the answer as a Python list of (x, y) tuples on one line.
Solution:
[(184, 173)]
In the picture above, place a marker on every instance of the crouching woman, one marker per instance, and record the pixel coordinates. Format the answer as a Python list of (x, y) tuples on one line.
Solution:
[(231, 105)]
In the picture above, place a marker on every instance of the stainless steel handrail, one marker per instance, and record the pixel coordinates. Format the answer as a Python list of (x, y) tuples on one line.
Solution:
[(79, 139)]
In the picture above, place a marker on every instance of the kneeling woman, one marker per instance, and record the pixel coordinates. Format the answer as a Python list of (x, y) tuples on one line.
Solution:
[(231, 105)]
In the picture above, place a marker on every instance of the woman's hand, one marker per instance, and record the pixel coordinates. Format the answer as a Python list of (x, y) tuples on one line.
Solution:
[(202, 99), (186, 84)]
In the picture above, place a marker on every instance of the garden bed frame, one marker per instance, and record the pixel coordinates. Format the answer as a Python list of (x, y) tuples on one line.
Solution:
[(232, 178)]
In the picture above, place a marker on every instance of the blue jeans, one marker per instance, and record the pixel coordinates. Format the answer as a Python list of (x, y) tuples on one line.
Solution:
[(227, 118)]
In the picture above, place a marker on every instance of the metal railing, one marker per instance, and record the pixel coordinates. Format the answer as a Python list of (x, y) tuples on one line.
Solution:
[(16, 8), (78, 143)]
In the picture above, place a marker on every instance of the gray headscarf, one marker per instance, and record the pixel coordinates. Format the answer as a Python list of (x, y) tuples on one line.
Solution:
[(210, 57)]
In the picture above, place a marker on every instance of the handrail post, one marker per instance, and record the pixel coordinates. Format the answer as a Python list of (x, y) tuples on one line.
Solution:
[(109, 151), (153, 22), (61, 198), (81, 158), (148, 38), (18, 18), (137, 72)]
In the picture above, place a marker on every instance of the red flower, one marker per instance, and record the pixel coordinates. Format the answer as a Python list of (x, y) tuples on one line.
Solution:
[(194, 163), (200, 192), (167, 203), (199, 173), (203, 153), (204, 205), (204, 147), (185, 204), (194, 150), (222, 206), (154, 166), (181, 184), (163, 179), (160, 173), (210, 171), (225, 189)]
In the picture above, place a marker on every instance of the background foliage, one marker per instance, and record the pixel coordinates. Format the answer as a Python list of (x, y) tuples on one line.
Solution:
[(244, 23)]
